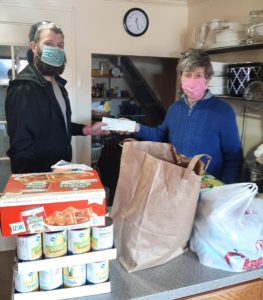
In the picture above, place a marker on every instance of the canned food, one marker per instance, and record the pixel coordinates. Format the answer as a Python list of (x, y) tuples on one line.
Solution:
[(34, 219), (98, 272), (55, 244), (29, 247), (78, 240), (50, 279), (74, 275), (102, 236), (27, 282)]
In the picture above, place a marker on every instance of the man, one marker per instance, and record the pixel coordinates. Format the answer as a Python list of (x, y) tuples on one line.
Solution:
[(37, 106)]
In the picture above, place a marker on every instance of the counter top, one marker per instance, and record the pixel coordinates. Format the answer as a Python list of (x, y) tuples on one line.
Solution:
[(181, 277)]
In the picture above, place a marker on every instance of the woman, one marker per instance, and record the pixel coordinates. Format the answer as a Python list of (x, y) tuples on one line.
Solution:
[(200, 123)]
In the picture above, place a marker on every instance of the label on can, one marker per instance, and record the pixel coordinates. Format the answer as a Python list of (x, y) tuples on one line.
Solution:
[(98, 272), (55, 243), (29, 247), (74, 275), (78, 240), (34, 219), (27, 282), (102, 237), (50, 279)]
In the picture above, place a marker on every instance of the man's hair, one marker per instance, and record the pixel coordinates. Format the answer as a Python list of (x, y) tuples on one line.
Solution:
[(37, 28), (192, 59)]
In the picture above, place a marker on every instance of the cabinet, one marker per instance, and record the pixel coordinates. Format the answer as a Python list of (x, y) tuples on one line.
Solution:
[(12, 61), (252, 290)]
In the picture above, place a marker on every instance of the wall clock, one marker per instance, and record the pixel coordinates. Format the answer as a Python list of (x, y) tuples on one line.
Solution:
[(135, 21)]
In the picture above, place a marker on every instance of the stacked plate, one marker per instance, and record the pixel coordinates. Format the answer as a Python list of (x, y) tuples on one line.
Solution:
[(218, 83)]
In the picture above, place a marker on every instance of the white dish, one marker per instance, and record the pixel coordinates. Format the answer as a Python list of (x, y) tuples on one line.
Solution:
[(234, 26), (228, 43), (257, 28), (217, 90), (229, 36), (219, 68), (218, 81)]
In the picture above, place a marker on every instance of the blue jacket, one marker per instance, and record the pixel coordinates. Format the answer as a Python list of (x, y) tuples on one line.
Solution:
[(209, 127)]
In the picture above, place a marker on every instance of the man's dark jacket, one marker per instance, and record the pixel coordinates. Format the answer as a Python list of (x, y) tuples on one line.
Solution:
[(35, 123)]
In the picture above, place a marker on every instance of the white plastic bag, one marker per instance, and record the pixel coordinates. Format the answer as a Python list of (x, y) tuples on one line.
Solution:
[(228, 231)]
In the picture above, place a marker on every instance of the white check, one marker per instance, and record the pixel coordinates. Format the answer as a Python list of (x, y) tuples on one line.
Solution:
[(118, 125)]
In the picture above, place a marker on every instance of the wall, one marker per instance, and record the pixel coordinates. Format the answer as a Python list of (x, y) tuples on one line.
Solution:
[(95, 26), (249, 115), (99, 29)]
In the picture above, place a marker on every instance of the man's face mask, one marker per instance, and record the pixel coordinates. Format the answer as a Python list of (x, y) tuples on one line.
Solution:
[(52, 56), (46, 69)]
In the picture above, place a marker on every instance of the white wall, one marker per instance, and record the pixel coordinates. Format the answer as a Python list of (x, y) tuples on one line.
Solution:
[(99, 29), (95, 26)]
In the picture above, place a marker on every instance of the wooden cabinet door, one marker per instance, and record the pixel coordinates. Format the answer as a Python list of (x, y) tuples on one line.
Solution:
[(252, 290)]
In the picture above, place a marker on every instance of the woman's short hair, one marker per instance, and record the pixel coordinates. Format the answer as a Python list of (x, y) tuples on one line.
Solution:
[(192, 59), (37, 28)]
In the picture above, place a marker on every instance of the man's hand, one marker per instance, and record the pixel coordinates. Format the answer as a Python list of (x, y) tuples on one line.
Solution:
[(95, 129)]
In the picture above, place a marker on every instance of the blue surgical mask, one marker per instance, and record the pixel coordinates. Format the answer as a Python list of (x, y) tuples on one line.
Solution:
[(53, 56)]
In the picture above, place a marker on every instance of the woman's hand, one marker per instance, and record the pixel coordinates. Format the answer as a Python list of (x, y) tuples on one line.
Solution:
[(137, 128)]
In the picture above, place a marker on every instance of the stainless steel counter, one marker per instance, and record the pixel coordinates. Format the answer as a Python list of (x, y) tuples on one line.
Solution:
[(181, 277)]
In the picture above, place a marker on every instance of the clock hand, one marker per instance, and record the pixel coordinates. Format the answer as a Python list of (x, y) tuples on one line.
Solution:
[(137, 23)]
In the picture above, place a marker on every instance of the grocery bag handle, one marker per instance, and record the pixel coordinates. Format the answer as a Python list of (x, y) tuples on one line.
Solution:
[(190, 166), (187, 173), (193, 163), (127, 140)]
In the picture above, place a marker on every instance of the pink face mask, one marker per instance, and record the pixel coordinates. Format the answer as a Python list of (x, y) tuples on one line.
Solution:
[(194, 88)]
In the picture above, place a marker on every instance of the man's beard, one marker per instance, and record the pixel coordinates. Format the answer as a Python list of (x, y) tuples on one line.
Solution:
[(47, 70)]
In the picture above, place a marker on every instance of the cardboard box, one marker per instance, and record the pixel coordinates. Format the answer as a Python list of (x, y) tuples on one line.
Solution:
[(51, 202)]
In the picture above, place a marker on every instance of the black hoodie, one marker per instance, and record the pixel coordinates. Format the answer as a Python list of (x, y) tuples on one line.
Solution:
[(35, 123)]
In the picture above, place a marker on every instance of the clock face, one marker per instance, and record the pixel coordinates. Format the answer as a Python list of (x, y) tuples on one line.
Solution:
[(136, 22)]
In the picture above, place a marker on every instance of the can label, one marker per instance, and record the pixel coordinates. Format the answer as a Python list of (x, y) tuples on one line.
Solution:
[(33, 219), (78, 240), (102, 237), (27, 282), (98, 272), (74, 276), (50, 279), (29, 247), (55, 243)]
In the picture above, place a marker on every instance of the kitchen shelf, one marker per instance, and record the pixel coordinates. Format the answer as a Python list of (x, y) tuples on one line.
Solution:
[(238, 98), (4, 82), (4, 158), (245, 47), (106, 76)]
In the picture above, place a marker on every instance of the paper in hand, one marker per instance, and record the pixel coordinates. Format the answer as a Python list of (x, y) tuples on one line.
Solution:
[(118, 124)]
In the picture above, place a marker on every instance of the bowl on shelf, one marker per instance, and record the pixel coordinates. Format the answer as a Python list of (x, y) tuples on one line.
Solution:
[(218, 90), (219, 68), (254, 91)]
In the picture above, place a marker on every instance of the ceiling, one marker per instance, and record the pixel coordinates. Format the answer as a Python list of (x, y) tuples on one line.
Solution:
[(161, 2)]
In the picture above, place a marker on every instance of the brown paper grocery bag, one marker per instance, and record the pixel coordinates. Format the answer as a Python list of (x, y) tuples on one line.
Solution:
[(155, 203)]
